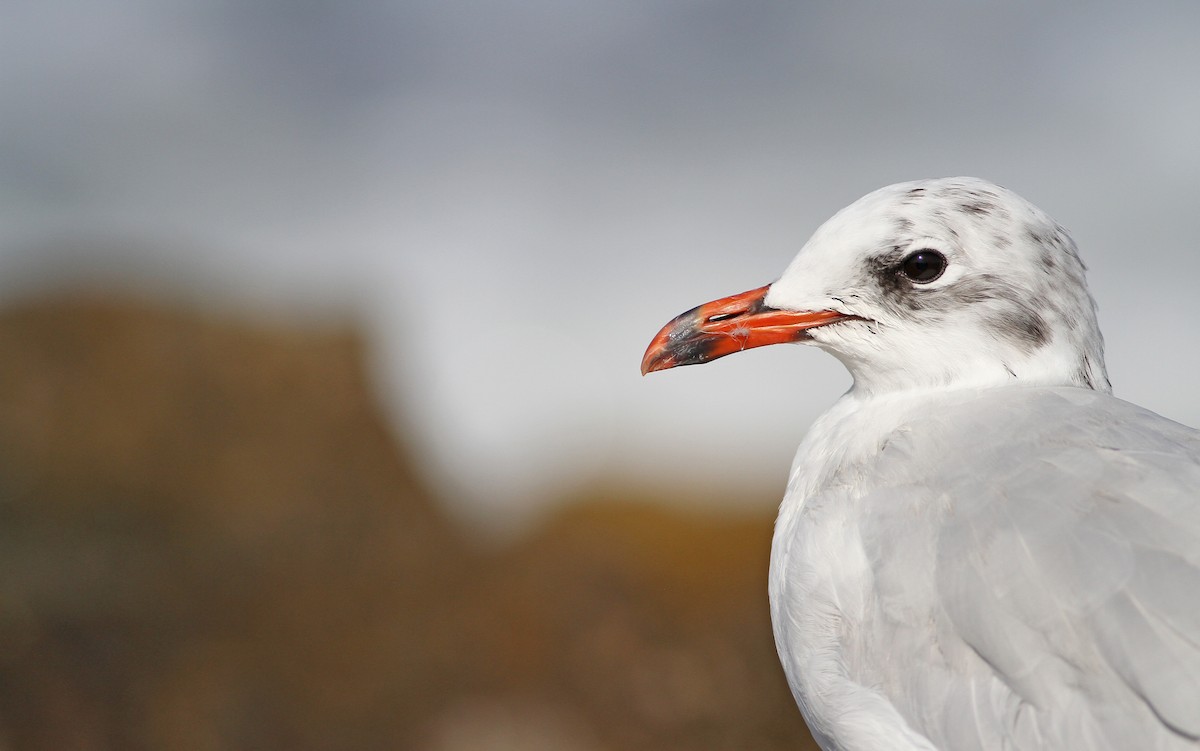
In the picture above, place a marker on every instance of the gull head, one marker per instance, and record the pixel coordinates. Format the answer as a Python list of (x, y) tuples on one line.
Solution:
[(942, 283)]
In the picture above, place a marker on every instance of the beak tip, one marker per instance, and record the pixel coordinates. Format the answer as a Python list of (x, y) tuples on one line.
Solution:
[(658, 355), (651, 364)]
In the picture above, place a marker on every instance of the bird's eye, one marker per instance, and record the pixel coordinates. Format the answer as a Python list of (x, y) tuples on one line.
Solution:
[(923, 266)]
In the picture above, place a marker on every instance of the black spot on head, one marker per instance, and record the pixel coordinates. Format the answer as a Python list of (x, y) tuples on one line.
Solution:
[(913, 195), (1021, 325), (1034, 329), (1008, 315), (977, 207), (884, 270), (904, 226), (1001, 240), (1056, 251), (1062, 240), (1037, 237)]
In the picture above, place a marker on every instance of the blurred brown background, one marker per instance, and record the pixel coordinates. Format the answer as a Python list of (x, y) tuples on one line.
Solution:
[(320, 418), (211, 539)]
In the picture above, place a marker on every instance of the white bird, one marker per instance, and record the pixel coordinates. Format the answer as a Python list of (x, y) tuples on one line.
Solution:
[(979, 547)]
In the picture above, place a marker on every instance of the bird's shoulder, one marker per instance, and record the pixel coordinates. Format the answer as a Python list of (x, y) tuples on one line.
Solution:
[(994, 434), (1067, 553)]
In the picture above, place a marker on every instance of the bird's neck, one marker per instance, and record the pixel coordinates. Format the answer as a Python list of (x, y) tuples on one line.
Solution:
[(847, 435), (915, 375)]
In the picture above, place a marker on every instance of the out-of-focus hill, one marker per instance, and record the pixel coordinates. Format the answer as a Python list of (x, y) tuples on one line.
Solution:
[(209, 539)]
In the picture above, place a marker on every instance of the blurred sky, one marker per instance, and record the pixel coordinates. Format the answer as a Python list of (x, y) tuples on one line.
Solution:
[(515, 194)]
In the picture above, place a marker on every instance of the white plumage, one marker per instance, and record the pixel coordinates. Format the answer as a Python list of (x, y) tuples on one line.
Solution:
[(980, 547)]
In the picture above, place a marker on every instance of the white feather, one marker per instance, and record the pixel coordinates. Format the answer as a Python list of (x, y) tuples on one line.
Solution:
[(980, 547)]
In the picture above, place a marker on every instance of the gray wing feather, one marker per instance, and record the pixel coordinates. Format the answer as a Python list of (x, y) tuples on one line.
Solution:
[(1069, 561)]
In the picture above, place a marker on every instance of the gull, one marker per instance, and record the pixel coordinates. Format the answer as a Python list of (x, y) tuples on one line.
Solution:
[(979, 546)]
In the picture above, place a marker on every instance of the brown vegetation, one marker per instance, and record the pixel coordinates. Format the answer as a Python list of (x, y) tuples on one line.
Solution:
[(209, 539)]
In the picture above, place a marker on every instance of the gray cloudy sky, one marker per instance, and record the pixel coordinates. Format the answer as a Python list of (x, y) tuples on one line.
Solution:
[(517, 194)]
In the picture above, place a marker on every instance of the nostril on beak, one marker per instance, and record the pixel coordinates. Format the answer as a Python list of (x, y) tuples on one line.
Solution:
[(721, 317)]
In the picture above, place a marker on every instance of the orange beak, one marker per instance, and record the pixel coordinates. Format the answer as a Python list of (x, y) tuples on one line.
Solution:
[(729, 325)]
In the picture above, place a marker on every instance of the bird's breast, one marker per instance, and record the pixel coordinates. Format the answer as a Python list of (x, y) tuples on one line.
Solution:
[(852, 585)]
